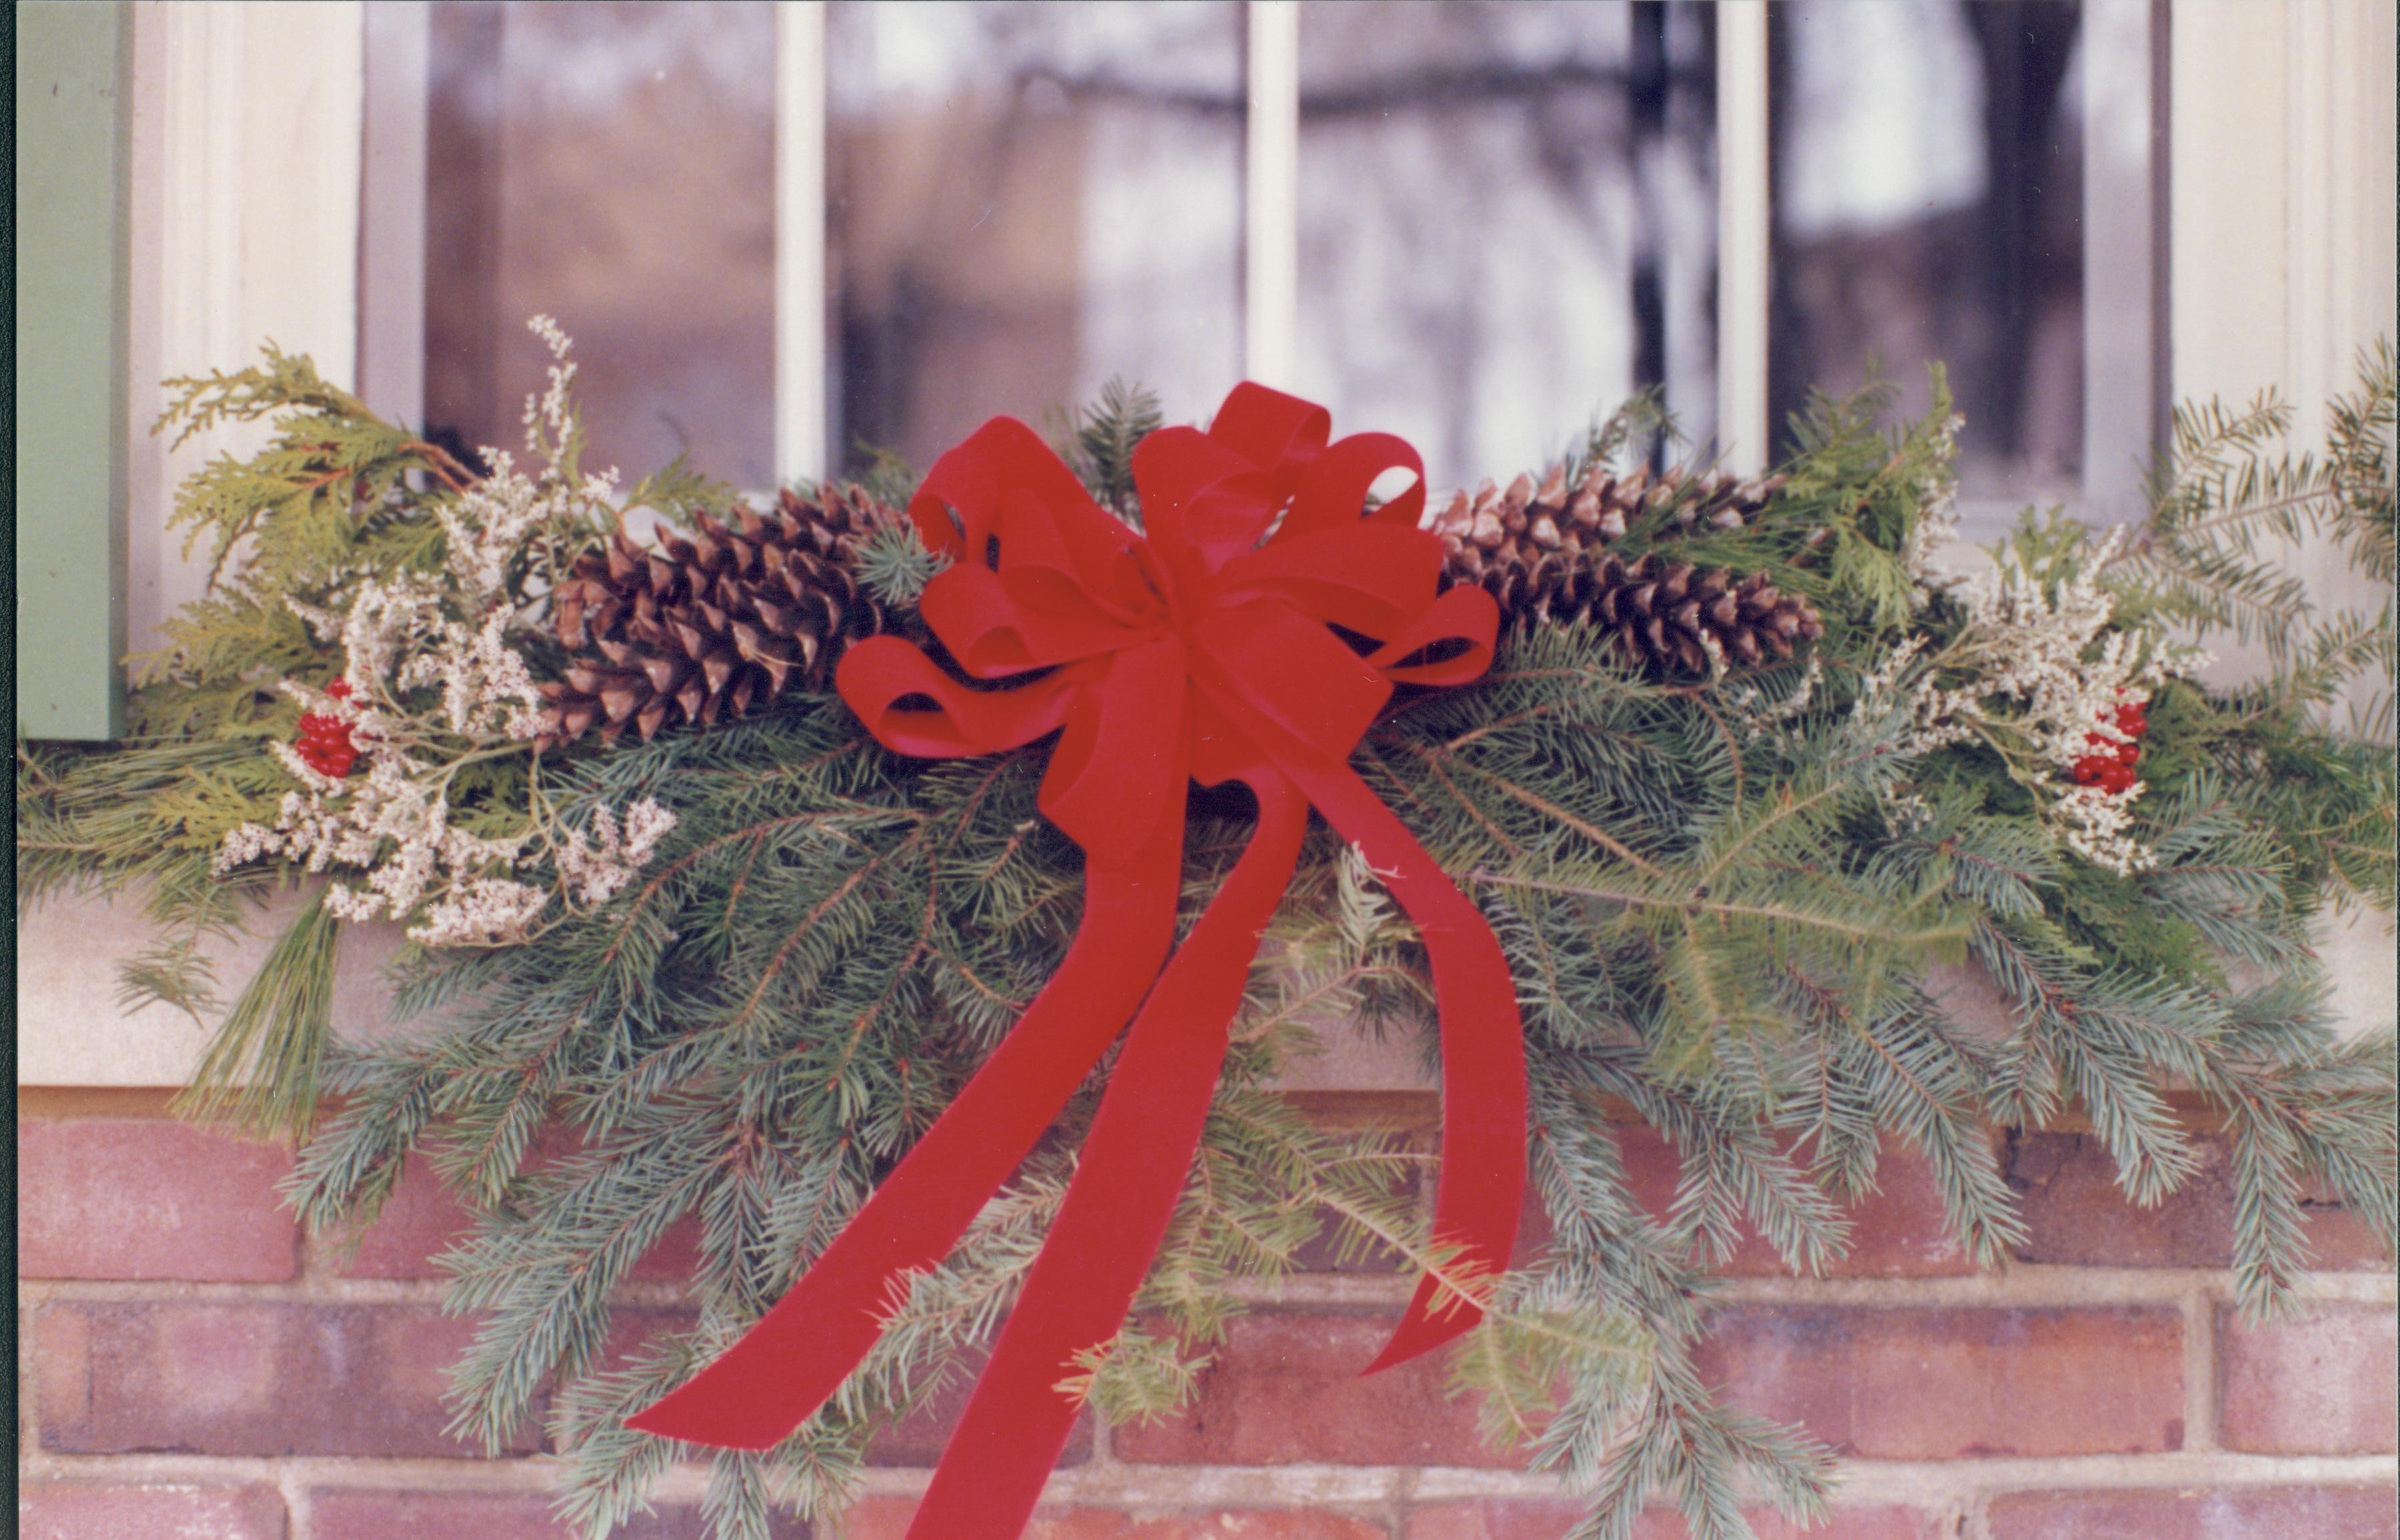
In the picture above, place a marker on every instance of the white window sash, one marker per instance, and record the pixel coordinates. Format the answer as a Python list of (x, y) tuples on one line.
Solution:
[(2127, 314), (801, 302), (201, 292), (1744, 234), (1271, 193), (391, 210), (246, 180)]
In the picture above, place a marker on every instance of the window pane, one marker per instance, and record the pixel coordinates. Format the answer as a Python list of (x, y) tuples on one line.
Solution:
[(1026, 199), (613, 165), (1928, 205), (1507, 221)]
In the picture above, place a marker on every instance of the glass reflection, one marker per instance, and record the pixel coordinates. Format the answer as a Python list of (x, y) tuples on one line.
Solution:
[(1507, 221), (1928, 205), (1027, 200), (611, 164)]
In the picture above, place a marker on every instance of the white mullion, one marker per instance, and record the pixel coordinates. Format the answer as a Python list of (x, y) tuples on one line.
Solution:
[(2310, 258), (1744, 200), (2121, 390), (392, 216), (800, 241), (1271, 185)]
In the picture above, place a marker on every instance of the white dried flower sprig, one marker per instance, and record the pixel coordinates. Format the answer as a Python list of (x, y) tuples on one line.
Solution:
[(436, 683), (549, 420), (1937, 519), (2037, 673), (1759, 717), (2096, 825), (597, 868)]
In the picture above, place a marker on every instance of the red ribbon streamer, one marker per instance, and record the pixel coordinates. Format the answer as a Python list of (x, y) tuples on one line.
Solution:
[(1201, 652)]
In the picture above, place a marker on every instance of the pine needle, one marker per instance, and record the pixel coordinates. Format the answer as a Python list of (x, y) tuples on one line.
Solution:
[(260, 1073)]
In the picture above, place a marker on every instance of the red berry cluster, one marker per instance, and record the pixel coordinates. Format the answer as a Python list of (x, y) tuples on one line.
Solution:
[(2110, 764), (325, 741)]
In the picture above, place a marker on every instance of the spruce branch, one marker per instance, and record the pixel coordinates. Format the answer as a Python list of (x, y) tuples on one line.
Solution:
[(1106, 433), (1719, 902)]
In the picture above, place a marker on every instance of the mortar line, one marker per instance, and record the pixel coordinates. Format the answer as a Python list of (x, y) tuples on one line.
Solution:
[(1962, 1487), (29, 1431), (322, 1291), (2200, 1390), (299, 1512), (2023, 1285), (1404, 1502), (2027, 1285)]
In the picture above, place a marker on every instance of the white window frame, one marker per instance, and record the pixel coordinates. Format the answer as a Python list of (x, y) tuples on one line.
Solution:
[(245, 168), (2122, 387), (245, 171), (250, 119), (1270, 229)]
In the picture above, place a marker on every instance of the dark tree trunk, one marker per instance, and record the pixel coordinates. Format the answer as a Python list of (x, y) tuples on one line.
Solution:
[(2025, 46)]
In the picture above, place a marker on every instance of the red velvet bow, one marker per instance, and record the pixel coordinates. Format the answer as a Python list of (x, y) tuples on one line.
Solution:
[(1201, 652)]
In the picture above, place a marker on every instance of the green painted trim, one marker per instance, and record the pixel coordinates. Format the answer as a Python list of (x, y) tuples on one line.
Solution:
[(74, 68)]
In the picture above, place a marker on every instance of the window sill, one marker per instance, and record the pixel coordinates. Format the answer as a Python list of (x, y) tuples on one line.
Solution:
[(72, 1032)]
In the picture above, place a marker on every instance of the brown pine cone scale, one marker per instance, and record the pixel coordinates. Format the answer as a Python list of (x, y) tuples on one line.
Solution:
[(1542, 550), (711, 623)]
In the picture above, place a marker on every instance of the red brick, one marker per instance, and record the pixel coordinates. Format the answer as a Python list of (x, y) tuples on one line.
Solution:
[(79, 1510), (2340, 1239), (1900, 1229), (1934, 1384), (887, 1519), (419, 1221), (147, 1198), (920, 1439), (631, 1328), (674, 1258), (917, 1440), (250, 1379), (60, 1341), (2320, 1385), (1553, 1519), (354, 1515), (423, 1219), (1285, 1388), (2076, 1214), (2255, 1513)]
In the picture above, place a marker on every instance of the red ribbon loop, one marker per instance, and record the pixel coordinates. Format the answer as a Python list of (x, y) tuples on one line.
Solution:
[(1201, 650)]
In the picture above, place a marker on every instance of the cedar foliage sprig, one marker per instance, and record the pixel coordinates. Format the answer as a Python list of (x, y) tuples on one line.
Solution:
[(338, 504), (1721, 902)]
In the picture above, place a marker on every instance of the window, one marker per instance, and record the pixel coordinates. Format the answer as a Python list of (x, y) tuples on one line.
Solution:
[(1473, 225), (1483, 223), (613, 165), (1022, 201), (1973, 183), (1507, 219)]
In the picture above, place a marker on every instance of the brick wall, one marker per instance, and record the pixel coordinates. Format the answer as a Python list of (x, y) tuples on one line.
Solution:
[(190, 1365)]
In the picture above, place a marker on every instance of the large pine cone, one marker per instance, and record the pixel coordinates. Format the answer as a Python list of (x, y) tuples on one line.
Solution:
[(1542, 552), (711, 623), (1667, 611)]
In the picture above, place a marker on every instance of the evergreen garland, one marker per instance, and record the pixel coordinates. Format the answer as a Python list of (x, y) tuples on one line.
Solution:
[(1720, 900)]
